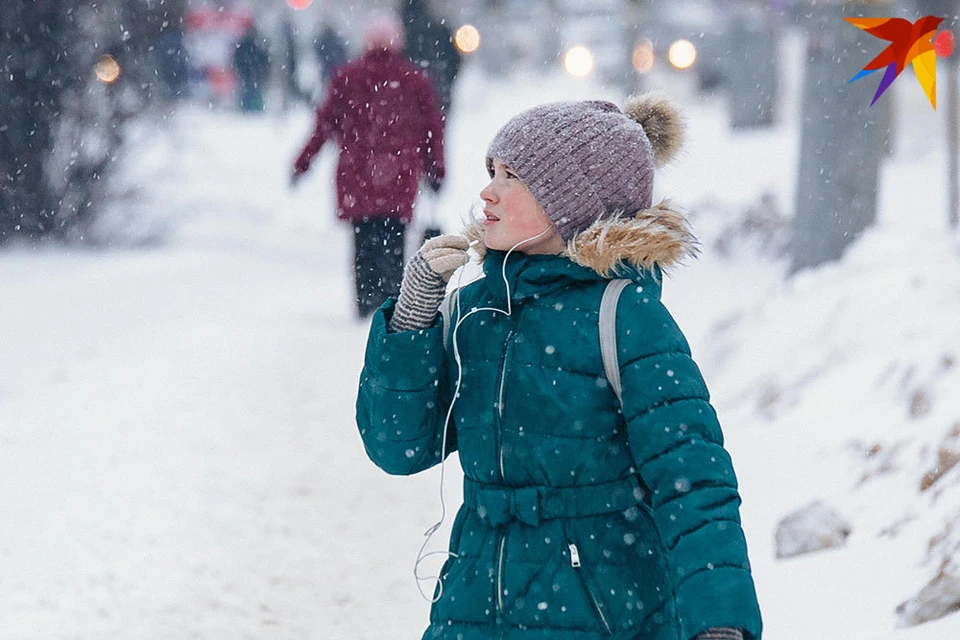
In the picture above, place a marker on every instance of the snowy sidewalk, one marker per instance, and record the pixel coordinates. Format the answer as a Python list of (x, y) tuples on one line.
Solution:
[(178, 452), (178, 455)]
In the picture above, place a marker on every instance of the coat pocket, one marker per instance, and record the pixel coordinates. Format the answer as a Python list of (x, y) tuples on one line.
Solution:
[(590, 587), (622, 570)]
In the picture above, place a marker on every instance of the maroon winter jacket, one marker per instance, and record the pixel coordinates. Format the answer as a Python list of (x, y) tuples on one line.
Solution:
[(384, 114)]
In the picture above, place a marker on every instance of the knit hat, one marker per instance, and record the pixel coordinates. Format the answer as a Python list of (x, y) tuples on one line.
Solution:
[(584, 161)]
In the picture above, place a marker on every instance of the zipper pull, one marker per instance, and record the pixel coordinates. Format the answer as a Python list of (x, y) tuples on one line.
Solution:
[(574, 556)]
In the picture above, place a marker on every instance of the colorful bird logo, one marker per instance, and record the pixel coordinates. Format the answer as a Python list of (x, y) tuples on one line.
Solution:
[(910, 42)]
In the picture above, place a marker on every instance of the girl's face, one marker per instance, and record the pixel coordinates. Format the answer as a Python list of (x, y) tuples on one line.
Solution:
[(514, 215)]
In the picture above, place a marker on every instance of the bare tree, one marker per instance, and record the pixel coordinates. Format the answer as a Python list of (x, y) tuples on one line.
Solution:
[(73, 72), (842, 136), (949, 10)]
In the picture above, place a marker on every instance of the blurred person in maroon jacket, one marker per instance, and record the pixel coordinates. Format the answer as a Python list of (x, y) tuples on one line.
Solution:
[(384, 115)]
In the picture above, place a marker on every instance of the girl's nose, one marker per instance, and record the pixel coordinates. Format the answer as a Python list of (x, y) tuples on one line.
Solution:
[(487, 193)]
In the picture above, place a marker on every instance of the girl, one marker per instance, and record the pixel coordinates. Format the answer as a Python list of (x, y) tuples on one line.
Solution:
[(585, 516)]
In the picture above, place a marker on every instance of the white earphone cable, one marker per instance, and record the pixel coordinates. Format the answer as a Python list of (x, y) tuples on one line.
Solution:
[(428, 534)]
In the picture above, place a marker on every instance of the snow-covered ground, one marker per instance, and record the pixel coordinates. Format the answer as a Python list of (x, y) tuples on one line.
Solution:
[(178, 453)]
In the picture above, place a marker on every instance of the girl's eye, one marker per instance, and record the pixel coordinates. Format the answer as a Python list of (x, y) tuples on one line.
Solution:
[(510, 174)]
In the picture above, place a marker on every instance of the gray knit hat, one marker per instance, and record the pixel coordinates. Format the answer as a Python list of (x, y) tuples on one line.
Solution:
[(584, 161)]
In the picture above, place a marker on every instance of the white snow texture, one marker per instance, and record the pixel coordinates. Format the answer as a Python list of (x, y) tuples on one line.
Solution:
[(178, 452)]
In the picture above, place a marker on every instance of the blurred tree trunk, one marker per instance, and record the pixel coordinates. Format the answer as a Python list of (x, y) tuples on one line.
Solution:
[(636, 15), (949, 10), (953, 144), (753, 74), (842, 136), (33, 78), (62, 126)]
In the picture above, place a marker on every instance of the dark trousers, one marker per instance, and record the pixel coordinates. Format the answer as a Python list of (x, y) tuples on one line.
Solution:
[(378, 262)]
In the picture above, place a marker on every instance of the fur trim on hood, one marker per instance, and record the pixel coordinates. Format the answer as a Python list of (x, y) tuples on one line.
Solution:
[(659, 236)]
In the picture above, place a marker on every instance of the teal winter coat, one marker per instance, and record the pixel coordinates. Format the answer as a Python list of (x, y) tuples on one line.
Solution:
[(580, 521)]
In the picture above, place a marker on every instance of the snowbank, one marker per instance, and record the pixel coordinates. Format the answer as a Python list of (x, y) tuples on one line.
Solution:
[(178, 455)]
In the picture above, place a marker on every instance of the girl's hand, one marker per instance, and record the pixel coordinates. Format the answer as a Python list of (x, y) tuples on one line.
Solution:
[(444, 255), (425, 281)]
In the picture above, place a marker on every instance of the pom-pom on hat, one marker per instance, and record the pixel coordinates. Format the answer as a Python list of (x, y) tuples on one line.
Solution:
[(584, 161)]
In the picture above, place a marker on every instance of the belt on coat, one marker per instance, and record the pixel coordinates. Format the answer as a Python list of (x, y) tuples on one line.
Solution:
[(498, 505)]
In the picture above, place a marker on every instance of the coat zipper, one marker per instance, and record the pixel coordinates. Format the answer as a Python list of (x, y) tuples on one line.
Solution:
[(575, 563), (515, 319), (502, 380), (503, 541), (503, 375), (498, 434)]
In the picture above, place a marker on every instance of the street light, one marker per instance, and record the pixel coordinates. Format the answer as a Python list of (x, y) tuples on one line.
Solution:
[(682, 54), (943, 44), (467, 38), (578, 61), (299, 5), (643, 56), (107, 69)]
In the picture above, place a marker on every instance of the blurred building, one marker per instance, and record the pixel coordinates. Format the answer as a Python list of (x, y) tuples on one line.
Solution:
[(615, 41), (213, 30)]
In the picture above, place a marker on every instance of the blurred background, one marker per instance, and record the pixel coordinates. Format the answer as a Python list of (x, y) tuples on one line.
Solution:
[(179, 358)]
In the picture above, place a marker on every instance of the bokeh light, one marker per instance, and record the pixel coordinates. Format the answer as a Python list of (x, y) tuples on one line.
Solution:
[(467, 38), (578, 61), (943, 44), (643, 56), (682, 54), (107, 69), (299, 5)]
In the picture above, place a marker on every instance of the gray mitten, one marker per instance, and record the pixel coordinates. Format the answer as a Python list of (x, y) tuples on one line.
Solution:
[(724, 633), (425, 281)]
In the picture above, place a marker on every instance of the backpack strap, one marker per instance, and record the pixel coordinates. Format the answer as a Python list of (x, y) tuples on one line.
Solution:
[(608, 333), (608, 330)]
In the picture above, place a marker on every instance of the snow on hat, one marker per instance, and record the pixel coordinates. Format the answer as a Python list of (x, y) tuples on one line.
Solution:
[(588, 160), (383, 31)]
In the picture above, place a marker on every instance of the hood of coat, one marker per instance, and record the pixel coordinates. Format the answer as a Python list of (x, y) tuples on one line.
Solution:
[(638, 247), (658, 238)]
